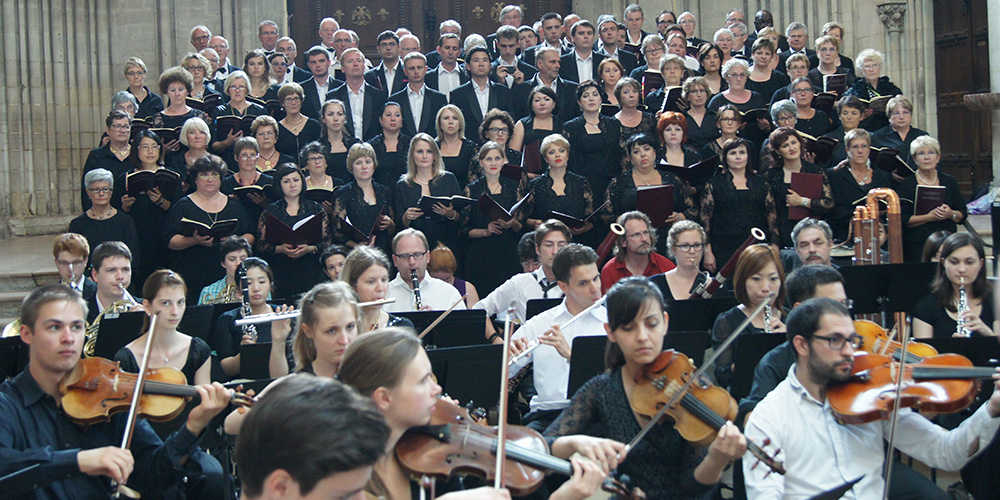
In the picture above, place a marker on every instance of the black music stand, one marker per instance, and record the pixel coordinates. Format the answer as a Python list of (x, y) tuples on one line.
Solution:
[(536, 306), (117, 331), (887, 288), (13, 357), (747, 352), (586, 361), (692, 344), (461, 328), (17, 483), (197, 322), (255, 360), (219, 310), (469, 374), (697, 314)]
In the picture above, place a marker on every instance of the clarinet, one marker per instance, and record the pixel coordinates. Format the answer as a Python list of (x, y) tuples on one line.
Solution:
[(248, 329), (767, 319), (963, 305), (416, 289)]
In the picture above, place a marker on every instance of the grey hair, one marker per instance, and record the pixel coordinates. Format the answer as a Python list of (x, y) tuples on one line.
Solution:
[(722, 31), (452, 23), (123, 96), (473, 40), (796, 26), (732, 63), (98, 175), (808, 223), (783, 106)]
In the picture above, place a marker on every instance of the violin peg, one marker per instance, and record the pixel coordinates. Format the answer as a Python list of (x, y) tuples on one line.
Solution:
[(767, 441), (755, 464), (768, 473)]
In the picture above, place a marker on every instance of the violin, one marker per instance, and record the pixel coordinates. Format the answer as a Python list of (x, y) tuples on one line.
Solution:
[(454, 443), (700, 413), (944, 384), (876, 340), (97, 388)]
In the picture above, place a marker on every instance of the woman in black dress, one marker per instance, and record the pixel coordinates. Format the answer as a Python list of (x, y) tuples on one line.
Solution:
[(149, 103), (917, 227), (851, 181), (457, 151), (295, 130), (196, 257), (195, 136), (426, 176), (237, 87), (632, 119), (247, 151), (540, 122), (872, 85), (608, 74), (733, 204), (493, 238), (176, 84), (762, 79), (102, 222), (962, 264), (786, 151), (828, 52), (736, 72), (807, 119), (559, 190), (336, 140), (711, 58), (391, 147), (296, 265), (702, 127), (265, 130), (366, 270), (686, 243), (364, 202), (850, 111), (594, 141), (200, 69), (728, 121), (149, 209)]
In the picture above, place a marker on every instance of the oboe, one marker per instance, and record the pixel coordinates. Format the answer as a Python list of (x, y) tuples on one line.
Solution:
[(767, 319), (416, 289), (245, 311), (963, 306)]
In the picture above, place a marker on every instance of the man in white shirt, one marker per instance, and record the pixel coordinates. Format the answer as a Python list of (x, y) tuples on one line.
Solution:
[(607, 45), (315, 89), (267, 33), (507, 69), (418, 104), (221, 46), (550, 237), (327, 27), (581, 63), (479, 95), (575, 269), (362, 102), (409, 253), (818, 450), (552, 31), (448, 75)]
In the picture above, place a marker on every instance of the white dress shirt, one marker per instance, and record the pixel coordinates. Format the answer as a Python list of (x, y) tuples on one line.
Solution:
[(416, 104), (819, 453), (517, 291), (482, 96), (448, 80), (390, 76), (357, 104), (223, 72), (289, 75), (322, 89), (551, 370), (440, 295), (584, 67)]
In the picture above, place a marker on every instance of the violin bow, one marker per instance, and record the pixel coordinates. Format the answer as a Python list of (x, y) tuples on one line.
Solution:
[(442, 317), (501, 453), (904, 340), (698, 373), (133, 410)]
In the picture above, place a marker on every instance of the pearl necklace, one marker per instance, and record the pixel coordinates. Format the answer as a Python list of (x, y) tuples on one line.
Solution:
[(922, 180)]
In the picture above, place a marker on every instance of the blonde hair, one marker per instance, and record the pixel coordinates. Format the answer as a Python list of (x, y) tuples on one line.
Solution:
[(326, 295), (458, 113), (411, 165), (360, 150)]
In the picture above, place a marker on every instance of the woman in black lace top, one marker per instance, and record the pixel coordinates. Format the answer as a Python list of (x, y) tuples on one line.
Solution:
[(633, 120), (487, 237), (391, 147), (594, 141), (663, 465), (336, 139), (457, 151), (541, 122), (364, 202), (786, 151), (559, 190), (296, 266), (733, 203)]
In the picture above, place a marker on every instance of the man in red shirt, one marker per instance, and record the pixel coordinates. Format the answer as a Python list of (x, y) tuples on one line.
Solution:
[(634, 255)]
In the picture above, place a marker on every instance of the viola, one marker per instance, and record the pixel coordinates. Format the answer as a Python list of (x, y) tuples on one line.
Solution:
[(454, 443), (700, 413), (97, 388), (943, 384), (875, 340)]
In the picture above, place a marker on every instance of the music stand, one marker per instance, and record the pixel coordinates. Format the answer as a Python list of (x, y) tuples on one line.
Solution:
[(692, 344), (537, 306), (13, 357), (219, 310), (117, 331), (197, 321), (747, 352), (586, 361), (908, 283), (887, 287), (697, 314), (255, 360), (469, 374), (461, 328)]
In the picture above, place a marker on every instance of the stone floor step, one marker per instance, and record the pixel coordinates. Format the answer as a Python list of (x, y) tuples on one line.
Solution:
[(26, 282)]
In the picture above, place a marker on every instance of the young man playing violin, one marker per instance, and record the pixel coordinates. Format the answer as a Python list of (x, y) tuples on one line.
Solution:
[(821, 453), (62, 459)]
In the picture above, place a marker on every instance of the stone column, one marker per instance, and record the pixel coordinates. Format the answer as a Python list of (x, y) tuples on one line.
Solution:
[(891, 14)]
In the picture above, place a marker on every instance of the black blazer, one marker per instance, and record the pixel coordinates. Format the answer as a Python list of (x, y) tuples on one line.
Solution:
[(431, 80), (433, 101), (376, 78), (528, 70), (312, 103), (565, 94), (434, 58), (785, 54), (465, 98), (569, 71), (528, 55), (300, 75), (374, 98), (628, 60)]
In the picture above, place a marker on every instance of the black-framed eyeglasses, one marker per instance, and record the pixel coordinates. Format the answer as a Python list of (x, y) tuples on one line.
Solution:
[(691, 247), (837, 342), (408, 256)]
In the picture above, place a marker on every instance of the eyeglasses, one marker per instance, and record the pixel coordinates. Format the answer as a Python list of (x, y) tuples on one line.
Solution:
[(100, 190), (737, 75), (194, 68), (802, 91), (837, 341), (266, 133), (293, 98), (134, 73), (121, 126), (728, 119), (498, 130), (149, 147), (408, 256), (202, 37), (208, 175), (639, 234), (241, 88), (690, 247), (649, 52), (315, 159), (74, 263), (279, 64)]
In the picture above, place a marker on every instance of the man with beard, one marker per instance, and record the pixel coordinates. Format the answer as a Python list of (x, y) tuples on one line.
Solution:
[(820, 452), (813, 240), (634, 255)]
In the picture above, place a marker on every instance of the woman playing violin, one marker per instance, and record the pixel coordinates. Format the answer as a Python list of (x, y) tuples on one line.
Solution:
[(962, 263), (664, 465), (392, 368)]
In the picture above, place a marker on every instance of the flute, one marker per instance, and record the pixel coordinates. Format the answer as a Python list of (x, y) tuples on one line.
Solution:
[(264, 318), (534, 344)]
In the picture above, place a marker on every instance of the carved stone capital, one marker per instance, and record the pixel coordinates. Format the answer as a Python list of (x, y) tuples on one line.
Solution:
[(891, 14)]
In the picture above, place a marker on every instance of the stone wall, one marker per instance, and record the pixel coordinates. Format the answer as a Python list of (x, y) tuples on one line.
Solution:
[(63, 62)]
